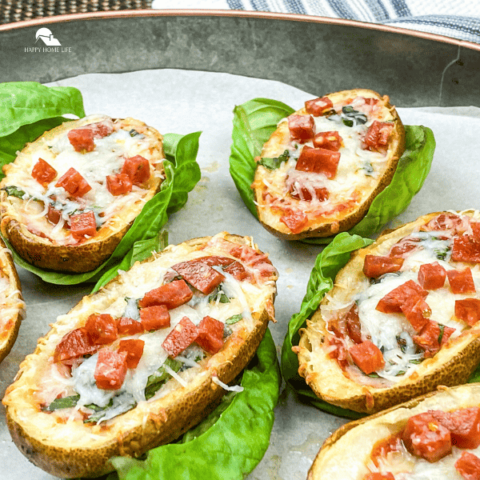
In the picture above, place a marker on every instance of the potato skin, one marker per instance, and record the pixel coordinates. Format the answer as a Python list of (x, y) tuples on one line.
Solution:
[(452, 365), (346, 221), (9, 335), (88, 255), (391, 421), (165, 420)]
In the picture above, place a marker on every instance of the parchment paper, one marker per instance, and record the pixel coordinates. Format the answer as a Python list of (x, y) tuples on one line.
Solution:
[(182, 102)]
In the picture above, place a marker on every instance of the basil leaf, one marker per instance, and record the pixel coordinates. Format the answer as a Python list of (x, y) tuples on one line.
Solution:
[(440, 336), (14, 192), (214, 297), (160, 377), (327, 265), (415, 362), (233, 319), (274, 163), (65, 402)]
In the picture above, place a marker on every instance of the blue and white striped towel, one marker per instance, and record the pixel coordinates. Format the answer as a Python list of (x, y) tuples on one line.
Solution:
[(453, 18)]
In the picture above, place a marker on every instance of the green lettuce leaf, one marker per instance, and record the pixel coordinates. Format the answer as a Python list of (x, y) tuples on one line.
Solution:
[(256, 120), (154, 215), (327, 265), (230, 442)]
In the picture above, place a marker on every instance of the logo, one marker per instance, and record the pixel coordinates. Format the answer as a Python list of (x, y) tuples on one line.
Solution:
[(47, 36)]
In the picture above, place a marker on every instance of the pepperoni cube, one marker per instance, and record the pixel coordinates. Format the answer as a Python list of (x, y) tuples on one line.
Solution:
[(445, 222), (101, 129), (210, 335), (468, 310), (431, 276), (383, 447), (119, 184), (237, 271), (73, 183), (367, 356), (129, 326), (155, 318), (379, 476), (328, 140), (172, 295), (214, 261), (393, 301), (137, 168), (378, 134), (181, 337), (134, 350), (463, 425), (404, 246), (318, 106), (417, 312), (304, 193), (110, 370), (318, 160), (461, 281), (294, 220), (73, 345), (81, 139), (53, 214), (466, 249), (302, 127), (43, 172), (432, 337), (376, 265), (199, 275), (102, 328), (83, 225), (354, 327), (425, 437), (468, 466)]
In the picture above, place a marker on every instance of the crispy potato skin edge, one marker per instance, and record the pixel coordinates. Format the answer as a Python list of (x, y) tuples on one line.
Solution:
[(160, 428), (347, 222), (454, 371)]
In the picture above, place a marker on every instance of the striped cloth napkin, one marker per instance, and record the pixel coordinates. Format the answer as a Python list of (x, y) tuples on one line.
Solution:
[(453, 18)]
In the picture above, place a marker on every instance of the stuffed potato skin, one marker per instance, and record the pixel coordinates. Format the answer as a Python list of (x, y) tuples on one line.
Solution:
[(346, 215), (34, 244), (452, 365), (360, 436), (151, 423)]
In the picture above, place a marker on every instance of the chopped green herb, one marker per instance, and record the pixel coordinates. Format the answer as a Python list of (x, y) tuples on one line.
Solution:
[(214, 296), (234, 319), (401, 372), (440, 336), (65, 402), (133, 132), (227, 331), (367, 168), (274, 163), (442, 254), (14, 192), (96, 408), (402, 343), (415, 362), (373, 375), (160, 377), (351, 117), (347, 122)]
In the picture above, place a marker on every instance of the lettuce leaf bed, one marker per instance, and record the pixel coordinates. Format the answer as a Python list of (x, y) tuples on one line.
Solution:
[(31, 108), (328, 263), (256, 120)]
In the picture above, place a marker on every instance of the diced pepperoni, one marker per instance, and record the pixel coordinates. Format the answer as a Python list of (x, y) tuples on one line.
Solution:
[(376, 265), (432, 337), (304, 193), (134, 350), (328, 141), (172, 295), (73, 183), (384, 447), (214, 261), (417, 312), (210, 335), (338, 351), (110, 370), (81, 139), (294, 220), (367, 356), (445, 222), (43, 172), (83, 225), (468, 466), (475, 230), (101, 129), (393, 301), (378, 134), (371, 101), (318, 106), (431, 276), (53, 214), (463, 425), (119, 184), (102, 328), (461, 281), (466, 249), (129, 326), (199, 275), (181, 337), (137, 168), (318, 160), (354, 327), (302, 127), (155, 317), (237, 271), (404, 246), (468, 310), (73, 345), (379, 476), (425, 437)]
